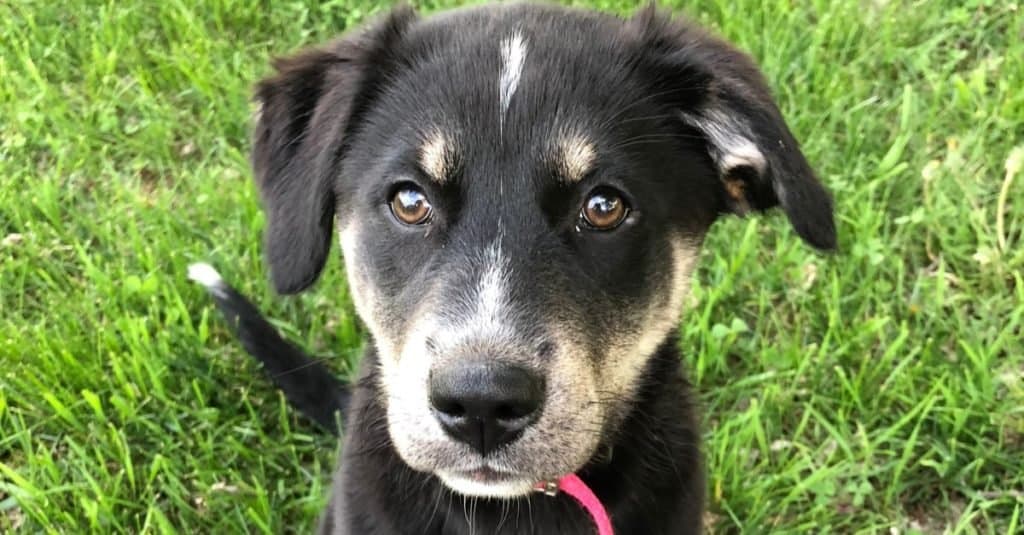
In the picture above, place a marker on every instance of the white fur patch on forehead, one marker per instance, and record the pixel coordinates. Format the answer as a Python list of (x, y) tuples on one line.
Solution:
[(732, 144), (513, 57)]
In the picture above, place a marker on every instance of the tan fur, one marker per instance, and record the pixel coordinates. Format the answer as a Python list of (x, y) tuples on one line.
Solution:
[(574, 157), (437, 157), (620, 374), (736, 189)]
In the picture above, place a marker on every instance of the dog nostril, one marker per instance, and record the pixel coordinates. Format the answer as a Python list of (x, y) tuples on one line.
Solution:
[(450, 408), (512, 412)]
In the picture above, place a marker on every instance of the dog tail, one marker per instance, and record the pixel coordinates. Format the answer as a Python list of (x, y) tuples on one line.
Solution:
[(306, 382)]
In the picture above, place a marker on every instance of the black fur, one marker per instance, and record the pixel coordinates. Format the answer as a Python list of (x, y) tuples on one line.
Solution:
[(685, 56), (340, 130), (306, 382), (307, 109)]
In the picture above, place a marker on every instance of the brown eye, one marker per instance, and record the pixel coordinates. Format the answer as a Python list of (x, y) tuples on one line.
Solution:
[(410, 205), (604, 209)]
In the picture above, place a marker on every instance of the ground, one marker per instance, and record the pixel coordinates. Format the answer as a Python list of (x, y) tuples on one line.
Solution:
[(880, 389)]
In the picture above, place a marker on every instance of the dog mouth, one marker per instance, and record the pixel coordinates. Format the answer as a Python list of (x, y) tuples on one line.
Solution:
[(488, 482), (486, 474)]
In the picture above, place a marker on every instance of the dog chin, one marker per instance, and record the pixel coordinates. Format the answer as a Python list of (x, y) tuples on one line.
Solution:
[(496, 485)]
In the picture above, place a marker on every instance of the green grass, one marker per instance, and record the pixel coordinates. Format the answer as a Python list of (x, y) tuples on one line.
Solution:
[(880, 389)]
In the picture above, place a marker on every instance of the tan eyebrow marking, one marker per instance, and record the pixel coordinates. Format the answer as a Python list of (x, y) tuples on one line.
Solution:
[(438, 157), (574, 157)]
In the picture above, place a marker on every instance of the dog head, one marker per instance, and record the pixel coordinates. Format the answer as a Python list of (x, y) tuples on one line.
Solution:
[(520, 193)]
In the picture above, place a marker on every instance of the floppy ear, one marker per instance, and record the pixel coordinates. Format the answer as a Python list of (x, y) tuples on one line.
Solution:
[(721, 92), (306, 111)]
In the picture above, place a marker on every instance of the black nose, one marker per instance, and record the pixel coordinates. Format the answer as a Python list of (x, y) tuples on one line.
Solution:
[(485, 405)]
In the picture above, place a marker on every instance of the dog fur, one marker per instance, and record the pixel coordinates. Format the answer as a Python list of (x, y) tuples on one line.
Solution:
[(506, 119)]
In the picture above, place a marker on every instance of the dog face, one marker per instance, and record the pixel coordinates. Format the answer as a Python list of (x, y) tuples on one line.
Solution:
[(520, 192)]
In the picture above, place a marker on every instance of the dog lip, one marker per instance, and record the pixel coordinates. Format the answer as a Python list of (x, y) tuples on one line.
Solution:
[(487, 474), (488, 482)]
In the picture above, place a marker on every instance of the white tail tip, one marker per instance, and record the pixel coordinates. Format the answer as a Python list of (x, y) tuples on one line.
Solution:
[(204, 274)]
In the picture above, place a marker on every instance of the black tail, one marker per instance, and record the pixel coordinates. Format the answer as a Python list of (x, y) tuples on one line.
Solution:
[(306, 383)]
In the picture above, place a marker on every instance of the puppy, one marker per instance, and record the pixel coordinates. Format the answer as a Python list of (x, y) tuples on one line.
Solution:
[(520, 193)]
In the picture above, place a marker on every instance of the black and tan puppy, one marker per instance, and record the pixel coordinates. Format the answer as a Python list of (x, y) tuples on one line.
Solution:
[(520, 192)]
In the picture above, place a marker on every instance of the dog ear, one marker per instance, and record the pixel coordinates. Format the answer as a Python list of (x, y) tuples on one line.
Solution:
[(721, 93), (306, 110)]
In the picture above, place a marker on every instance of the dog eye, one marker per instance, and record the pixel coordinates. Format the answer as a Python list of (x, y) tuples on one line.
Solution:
[(410, 205), (604, 209)]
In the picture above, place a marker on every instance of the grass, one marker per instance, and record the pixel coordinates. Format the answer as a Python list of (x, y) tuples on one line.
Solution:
[(879, 390)]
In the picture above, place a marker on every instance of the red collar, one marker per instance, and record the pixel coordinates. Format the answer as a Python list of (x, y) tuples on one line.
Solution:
[(575, 487)]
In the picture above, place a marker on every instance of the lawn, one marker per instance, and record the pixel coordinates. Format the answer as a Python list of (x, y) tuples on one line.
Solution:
[(878, 390)]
